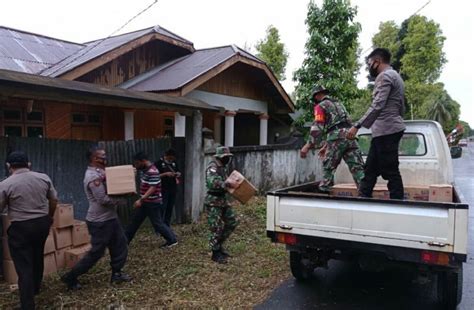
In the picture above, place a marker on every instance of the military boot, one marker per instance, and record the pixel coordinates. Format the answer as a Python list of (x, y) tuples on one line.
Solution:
[(218, 257), (71, 282)]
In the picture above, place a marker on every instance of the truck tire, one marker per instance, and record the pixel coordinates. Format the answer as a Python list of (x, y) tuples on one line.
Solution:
[(450, 288), (300, 271)]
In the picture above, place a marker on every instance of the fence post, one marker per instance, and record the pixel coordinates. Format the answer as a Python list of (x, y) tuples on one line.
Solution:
[(194, 171)]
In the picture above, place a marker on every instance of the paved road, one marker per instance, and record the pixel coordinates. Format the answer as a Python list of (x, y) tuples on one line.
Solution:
[(344, 286)]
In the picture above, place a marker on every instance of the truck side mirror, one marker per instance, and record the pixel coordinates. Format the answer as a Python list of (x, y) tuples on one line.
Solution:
[(456, 151)]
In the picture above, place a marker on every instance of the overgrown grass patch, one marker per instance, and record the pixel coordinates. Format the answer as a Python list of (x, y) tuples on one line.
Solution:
[(181, 277)]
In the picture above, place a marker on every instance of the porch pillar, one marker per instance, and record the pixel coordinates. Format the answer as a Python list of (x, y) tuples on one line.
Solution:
[(229, 128), (217, 128), (129, 124), (264, 128), (179, 125)]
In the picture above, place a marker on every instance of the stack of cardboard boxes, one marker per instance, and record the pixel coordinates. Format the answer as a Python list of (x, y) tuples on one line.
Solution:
[(434, 192), (67, 243)]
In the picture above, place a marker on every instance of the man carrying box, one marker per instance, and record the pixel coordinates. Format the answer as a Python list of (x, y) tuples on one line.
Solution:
[(102, 221), (150, 203), (31, 200), (221, 217)]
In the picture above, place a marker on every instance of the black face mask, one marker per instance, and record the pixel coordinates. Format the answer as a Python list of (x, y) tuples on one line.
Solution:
[(373, 71), (225, 160)]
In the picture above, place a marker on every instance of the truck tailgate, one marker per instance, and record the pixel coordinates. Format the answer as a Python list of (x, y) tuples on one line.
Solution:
[(416, 226)]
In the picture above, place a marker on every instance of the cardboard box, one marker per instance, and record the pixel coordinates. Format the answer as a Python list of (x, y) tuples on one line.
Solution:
[(5, 223), (420, 193), (63, 216), (49, 246), (49, 264), (62, 237), (244, 190), (6, 249), (344, 190), (72, 256), (80, 234), (441, 193), (9, 272), (60, 256), (120, 180)]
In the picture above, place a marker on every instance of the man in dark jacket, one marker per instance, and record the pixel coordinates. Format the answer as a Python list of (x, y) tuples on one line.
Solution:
[(385, 118), (170, 178)]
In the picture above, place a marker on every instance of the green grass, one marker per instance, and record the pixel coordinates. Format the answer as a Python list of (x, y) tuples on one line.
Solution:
[(181, 277)]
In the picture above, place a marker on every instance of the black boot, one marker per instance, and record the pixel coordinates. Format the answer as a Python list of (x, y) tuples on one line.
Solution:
[(218, 257), (71, 282), (224, 253), (119, 277)]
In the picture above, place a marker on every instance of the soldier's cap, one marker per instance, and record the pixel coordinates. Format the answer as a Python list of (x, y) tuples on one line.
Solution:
[(318, 89), (17, 157), (223, 151)]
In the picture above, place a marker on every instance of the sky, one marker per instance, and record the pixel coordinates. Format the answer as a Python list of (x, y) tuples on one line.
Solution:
[(211, 23)]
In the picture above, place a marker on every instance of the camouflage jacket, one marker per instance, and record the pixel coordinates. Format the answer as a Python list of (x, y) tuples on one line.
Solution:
[(215, 179), (327, 114)]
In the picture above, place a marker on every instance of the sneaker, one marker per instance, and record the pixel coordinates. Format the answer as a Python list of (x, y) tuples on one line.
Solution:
[(168, 245), (71, 282), (218, 257), (119, 277)]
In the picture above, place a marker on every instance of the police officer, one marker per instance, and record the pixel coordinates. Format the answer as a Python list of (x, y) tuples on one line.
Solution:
[(331, 122), (104, 226), (31, 199), (221, 217)]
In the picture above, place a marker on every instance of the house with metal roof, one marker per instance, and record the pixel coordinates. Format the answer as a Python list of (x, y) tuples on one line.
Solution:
[(252, 105)]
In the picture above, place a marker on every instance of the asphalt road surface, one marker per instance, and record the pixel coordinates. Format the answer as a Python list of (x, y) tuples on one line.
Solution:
[(344, 286)]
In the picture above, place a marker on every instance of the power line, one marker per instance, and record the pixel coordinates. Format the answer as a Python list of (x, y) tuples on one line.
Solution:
[(87, 50), (417, 11)]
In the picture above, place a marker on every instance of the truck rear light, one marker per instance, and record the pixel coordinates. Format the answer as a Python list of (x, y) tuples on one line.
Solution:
[(286, 238), (435, 258)]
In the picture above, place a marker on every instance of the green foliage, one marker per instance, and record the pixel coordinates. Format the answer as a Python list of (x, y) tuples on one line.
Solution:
[(417, 49), (360, 105), (387, 37), (331, 55), (273, 52), (468, 131)]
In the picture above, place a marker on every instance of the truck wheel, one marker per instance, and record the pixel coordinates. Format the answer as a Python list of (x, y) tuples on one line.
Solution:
[(450, 288), (300, 271)]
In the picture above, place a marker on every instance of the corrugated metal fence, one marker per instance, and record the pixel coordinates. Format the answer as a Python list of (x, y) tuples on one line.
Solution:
[(65, 162)]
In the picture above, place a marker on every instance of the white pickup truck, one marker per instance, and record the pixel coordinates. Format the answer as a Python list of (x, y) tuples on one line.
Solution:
[(427, 237)]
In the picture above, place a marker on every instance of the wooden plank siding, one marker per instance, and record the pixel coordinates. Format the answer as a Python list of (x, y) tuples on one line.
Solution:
[(133, 63), (239, 80)]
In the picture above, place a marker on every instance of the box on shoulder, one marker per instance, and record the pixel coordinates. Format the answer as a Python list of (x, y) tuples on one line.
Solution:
[(120, 180), (63, 216), (244, 190)]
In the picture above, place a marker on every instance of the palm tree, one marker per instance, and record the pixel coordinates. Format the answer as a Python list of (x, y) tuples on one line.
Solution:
[(438, 109)]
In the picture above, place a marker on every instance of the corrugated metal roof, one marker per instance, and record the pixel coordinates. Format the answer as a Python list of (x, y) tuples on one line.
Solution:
[(99, 47), (30, 53), (179, 72)]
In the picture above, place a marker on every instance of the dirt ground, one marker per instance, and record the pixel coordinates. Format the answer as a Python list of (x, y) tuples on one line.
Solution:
[(181, 277)]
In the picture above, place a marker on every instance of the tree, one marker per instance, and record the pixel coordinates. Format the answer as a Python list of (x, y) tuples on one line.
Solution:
[(417, 53), (273, 52), (331, 54)]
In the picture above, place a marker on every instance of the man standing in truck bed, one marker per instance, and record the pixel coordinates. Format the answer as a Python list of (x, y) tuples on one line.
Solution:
[(332, 122)]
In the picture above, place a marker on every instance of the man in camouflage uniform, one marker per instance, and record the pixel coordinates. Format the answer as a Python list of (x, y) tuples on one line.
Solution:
[(221, 218), (332, 122)]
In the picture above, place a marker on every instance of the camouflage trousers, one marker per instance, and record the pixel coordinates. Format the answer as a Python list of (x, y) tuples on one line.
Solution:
[(336, 151), (222, 222)]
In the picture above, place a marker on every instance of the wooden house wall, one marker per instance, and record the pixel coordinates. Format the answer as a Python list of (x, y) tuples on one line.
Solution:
[(239, 80), (133, 63)]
